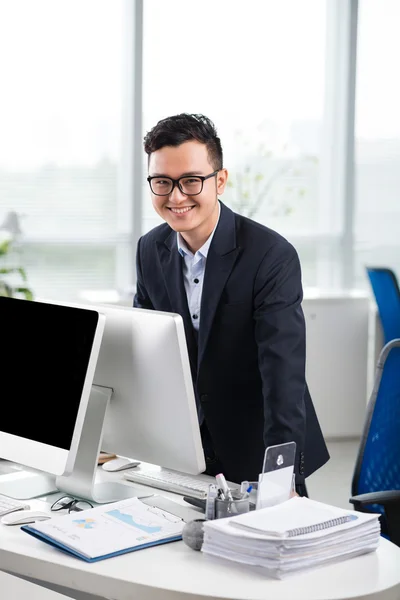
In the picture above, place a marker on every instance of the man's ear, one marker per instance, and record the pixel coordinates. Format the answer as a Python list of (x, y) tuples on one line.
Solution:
[(222, 178)]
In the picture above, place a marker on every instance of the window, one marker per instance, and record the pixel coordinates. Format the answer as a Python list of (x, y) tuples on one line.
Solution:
[(60, 143), (377, 219), (258, 71), (273, 76)]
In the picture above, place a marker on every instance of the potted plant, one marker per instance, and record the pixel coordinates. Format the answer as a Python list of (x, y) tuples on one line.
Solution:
[(13, 279)]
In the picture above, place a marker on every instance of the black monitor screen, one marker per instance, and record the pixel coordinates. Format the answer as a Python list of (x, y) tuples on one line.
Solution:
[(45, 352)]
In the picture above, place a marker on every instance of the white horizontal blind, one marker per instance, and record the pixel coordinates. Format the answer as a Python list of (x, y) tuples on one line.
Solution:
[(377, 225), (60, 146)]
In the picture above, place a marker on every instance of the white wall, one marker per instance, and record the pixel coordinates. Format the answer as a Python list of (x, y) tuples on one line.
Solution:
[(338, 332)]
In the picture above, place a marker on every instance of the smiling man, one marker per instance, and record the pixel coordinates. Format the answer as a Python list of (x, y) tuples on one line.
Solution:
[(237, 285)]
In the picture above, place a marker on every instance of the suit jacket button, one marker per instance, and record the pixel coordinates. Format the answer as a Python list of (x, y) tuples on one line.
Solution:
[(204, 398)]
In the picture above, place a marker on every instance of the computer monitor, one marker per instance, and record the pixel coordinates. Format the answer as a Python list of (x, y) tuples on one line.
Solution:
[(142, 403), (152, 415), (48, 360)]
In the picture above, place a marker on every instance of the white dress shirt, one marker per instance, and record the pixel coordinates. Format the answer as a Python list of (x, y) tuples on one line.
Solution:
[(194, 266)]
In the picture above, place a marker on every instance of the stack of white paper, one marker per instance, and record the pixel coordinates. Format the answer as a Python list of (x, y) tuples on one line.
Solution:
[(294, 536)]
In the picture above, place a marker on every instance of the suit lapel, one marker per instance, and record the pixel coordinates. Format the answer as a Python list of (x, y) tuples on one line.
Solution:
[(221, 258)]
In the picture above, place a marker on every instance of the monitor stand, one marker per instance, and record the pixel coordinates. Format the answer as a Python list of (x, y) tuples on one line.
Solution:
[(80, 481), (22, 483)]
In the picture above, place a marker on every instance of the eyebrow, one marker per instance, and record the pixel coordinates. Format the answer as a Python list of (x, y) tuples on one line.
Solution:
[(188, 174)]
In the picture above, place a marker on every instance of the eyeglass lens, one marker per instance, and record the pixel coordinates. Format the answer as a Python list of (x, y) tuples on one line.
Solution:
[(80, 505), (61, 503)]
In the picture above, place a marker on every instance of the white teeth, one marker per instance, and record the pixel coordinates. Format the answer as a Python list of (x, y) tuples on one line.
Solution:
[(181, 210)]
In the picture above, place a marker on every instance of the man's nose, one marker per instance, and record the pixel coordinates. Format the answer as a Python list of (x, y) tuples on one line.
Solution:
[(176, 195)]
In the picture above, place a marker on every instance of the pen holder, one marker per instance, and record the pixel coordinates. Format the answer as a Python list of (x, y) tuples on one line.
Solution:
[(230, 508)]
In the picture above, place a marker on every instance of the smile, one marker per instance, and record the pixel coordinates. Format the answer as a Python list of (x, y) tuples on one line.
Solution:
[(180, 211)]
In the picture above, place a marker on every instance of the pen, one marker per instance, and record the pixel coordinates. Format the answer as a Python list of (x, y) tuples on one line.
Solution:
[(220, 495), (243, 486), (224, 486), (247, 492)]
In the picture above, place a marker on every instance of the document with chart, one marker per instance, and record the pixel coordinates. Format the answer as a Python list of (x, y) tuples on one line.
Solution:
[(108, 530)]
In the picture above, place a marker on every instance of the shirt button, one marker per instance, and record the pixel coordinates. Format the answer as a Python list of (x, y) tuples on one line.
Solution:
[(196, 280), (195, 316)]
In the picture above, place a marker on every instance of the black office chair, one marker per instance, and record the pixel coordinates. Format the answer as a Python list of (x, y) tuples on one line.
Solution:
[(376, 478)]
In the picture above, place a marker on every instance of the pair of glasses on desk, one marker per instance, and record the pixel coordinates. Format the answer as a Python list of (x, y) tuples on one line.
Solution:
[(71, 504)]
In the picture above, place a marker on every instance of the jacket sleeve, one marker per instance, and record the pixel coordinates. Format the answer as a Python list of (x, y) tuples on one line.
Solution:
[(141, 298), (280, 338)]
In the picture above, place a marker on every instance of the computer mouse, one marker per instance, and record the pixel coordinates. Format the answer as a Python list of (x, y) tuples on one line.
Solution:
[(120, 463), (21, 517)]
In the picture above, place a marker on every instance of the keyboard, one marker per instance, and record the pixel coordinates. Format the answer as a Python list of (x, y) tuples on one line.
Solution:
[(170, 481), (8, 505)]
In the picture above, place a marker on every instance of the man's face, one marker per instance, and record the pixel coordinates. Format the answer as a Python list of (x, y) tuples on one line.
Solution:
[(195, 215)]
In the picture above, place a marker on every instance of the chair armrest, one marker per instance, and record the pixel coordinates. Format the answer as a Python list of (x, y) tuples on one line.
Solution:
[(385, 497), (390, 500)]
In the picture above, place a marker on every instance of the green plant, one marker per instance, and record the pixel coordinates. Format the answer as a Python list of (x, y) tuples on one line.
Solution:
[(8, 286), (263, 177)]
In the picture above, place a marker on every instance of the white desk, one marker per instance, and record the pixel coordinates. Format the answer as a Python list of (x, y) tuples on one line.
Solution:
[(174, 571), (19, 589)]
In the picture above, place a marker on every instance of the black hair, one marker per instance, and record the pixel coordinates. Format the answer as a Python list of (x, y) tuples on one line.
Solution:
[(184, 127)]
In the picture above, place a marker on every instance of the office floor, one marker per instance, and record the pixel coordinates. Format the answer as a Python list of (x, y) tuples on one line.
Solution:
[(332, 483)]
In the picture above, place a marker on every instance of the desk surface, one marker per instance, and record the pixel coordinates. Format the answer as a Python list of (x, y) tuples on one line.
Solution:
[(19, 589), (174, 571)]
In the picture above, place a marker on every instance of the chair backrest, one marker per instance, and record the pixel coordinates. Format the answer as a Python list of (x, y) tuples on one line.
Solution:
[(387, 296), (377, 466)]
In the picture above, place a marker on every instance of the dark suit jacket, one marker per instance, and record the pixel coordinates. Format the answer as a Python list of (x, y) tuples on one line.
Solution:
[(249, 369)]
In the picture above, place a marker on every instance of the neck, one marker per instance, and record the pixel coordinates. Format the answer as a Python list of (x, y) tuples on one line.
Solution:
[(194, 242)]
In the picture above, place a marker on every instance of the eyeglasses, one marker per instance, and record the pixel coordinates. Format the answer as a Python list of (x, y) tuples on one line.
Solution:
[(71, 504), (190, 185)]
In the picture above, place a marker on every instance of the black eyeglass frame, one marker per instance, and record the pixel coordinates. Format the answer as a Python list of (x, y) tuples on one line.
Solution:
[(70, 506), (177, 182)]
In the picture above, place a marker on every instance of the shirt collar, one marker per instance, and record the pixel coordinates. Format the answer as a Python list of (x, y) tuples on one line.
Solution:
[(203, 251)]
